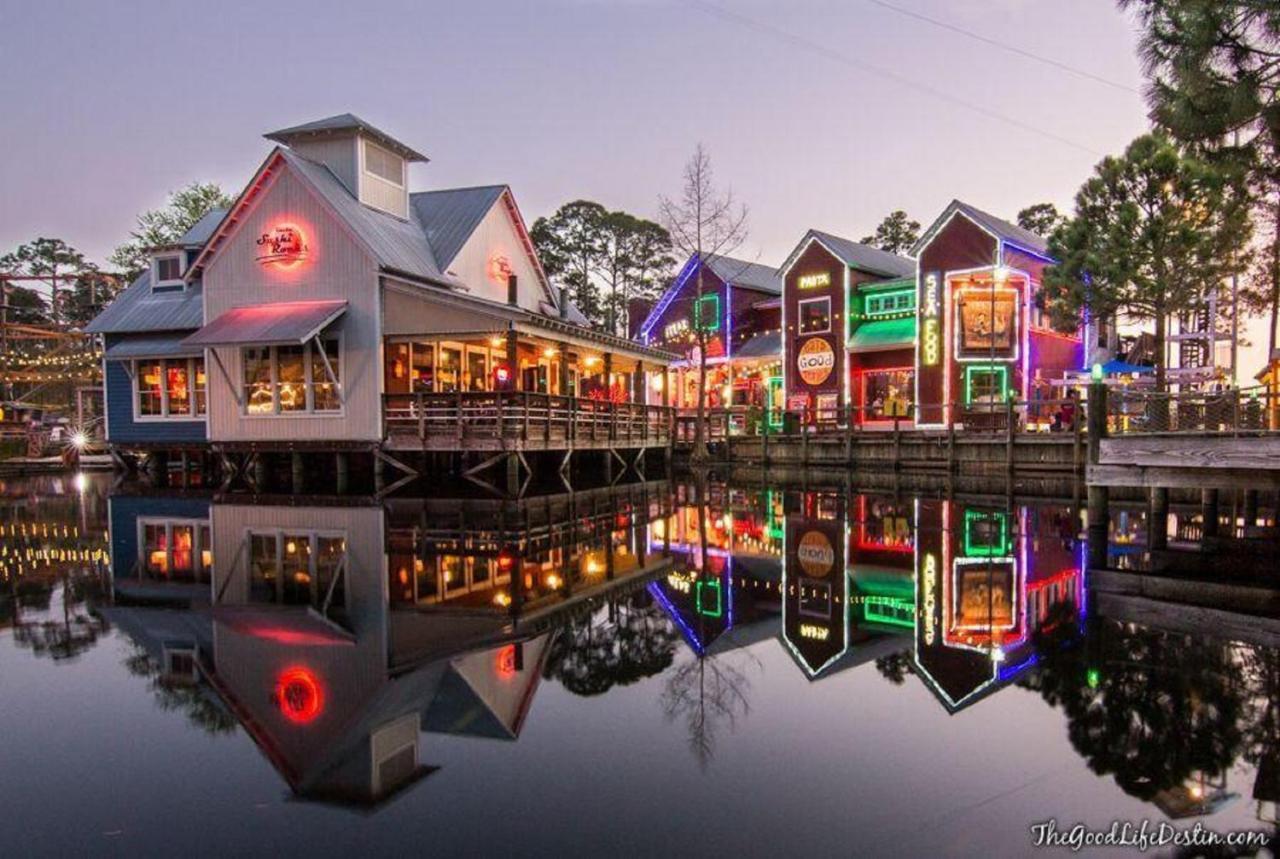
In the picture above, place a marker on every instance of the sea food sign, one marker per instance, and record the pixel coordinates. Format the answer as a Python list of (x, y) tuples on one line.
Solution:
[(282, 246), (813, 281), (816, 361), (930, 598), (931, 317)]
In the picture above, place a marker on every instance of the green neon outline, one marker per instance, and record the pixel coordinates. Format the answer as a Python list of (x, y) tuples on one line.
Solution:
[(719, 598), (697, 312), (774, 384), (971, 369), (876, 314), (1002, 550), (872, 612)]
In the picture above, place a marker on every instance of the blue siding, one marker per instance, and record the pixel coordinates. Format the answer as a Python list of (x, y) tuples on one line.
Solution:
[(123, 429), (125, 511)]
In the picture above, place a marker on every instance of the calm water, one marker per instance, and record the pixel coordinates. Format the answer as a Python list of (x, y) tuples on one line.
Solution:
[(661, 669)]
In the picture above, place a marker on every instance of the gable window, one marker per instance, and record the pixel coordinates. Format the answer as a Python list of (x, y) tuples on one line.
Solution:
[(292, 379), (815, 315), (385, 165), (169, 388), (166, 274)]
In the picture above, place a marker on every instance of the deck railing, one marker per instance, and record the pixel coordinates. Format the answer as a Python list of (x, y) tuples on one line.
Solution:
[(1022, 416), (472, 418), (1232, 411)]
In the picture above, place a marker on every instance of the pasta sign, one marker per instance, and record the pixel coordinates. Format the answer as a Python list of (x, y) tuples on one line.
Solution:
[(816, 361)]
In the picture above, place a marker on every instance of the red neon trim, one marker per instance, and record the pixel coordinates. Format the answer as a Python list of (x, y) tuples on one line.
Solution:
[(299, 695)]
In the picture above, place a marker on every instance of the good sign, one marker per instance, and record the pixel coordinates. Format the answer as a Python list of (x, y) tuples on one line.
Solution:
[(816, 361), (815, 554)]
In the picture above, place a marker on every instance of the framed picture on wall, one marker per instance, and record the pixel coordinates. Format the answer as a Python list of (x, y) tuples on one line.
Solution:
[(988, 322)]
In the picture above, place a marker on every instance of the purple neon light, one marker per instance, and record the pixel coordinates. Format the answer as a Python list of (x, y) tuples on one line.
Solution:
[(689, 636)]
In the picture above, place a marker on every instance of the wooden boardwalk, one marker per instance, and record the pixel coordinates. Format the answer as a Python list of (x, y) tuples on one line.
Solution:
[(519, 421)]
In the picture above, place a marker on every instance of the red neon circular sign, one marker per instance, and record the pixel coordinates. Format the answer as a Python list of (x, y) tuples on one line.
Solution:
[(298, 695)]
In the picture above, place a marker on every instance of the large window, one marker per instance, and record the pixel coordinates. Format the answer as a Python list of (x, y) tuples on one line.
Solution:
[(887, 393), (175, 549), (297, 567), (450, 370), (291, 379), (169, 388), (815, 315)]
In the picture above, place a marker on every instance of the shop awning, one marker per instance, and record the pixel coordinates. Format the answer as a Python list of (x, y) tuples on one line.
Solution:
[(881, 334), (269, 324), (153, 346)]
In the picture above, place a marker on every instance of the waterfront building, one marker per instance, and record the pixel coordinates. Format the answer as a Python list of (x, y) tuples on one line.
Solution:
[(156, 386), (738, 310), (988, 584), (848, 330), (984, 335), (332, 309)]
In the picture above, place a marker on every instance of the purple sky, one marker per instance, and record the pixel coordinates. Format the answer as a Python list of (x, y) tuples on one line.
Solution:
[(818, 113)]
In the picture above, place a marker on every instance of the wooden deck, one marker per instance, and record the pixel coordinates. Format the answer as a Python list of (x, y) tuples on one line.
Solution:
[(521, 421), (1172, 459)]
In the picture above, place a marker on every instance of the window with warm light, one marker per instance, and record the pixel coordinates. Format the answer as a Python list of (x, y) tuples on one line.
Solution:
[(172, 388), (292, 379), (175, 549), (295, 567)]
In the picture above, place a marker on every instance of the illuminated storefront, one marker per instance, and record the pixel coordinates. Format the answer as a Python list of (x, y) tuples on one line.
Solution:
[(983, 338), (735, 312), (330, 305), (841, 322)]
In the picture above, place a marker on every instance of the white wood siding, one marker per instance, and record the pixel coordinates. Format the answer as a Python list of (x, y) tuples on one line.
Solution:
[(496, 236), (337, 267), (339, 154)]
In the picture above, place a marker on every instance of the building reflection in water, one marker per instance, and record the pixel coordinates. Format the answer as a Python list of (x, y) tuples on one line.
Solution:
[(338, 636), (342, 636)]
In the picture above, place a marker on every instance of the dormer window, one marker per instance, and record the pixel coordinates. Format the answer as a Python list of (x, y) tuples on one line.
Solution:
[(387, 166), (166, 273)]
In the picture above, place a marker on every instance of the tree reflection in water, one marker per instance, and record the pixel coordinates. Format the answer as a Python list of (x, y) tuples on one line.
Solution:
[(596, 651), (74, 627), (173, 696), (1149, 708), (708, 692)]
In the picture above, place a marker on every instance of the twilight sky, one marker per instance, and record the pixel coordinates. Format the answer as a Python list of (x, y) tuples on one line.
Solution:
[(818, 113)]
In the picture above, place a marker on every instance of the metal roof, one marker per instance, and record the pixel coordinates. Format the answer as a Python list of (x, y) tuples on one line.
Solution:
[(396, 243), (262, 324), (865, 257), (449, 217), (202, 229), (750, 275), (768, 345), (339, 123), (137, 310), (152, 346), (1001, 228)]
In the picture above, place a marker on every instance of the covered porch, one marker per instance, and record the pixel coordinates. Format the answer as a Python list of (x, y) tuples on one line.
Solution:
[(496, 378)]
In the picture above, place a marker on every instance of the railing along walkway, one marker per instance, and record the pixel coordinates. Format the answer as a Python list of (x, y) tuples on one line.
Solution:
[(520, 420)]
